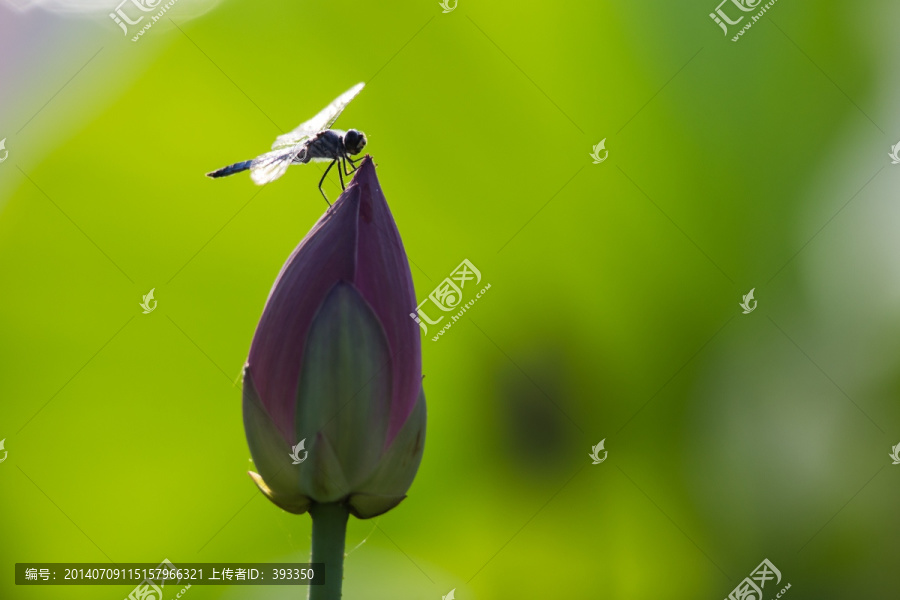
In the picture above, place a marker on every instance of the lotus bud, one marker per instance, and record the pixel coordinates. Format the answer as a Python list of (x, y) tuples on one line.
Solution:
[(333, 404)]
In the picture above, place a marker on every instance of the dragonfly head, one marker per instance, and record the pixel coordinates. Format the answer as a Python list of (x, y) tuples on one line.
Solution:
[(354, 142)]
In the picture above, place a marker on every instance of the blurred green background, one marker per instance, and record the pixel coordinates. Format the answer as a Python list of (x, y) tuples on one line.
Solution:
[(613, 311)]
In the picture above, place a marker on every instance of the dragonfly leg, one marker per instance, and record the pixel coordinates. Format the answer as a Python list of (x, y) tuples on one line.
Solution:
[(352, 162), (344, 160), (337, 160), (325, 174)]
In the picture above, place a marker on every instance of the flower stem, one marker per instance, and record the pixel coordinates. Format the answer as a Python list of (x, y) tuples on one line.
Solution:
[(328, 536)]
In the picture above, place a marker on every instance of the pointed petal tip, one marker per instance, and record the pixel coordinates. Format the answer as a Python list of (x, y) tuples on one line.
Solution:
[(296, 505), (365, 171), (367, 506)]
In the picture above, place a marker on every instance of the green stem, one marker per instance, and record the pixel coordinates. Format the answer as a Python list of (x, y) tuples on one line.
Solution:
[(328, 536)]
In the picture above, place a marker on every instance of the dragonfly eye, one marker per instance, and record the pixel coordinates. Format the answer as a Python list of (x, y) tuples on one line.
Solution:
[(354, 141)]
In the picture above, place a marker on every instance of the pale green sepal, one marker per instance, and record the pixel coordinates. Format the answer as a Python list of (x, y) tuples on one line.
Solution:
[(323, 478), (280, 478), (345, 387), (388, 485)]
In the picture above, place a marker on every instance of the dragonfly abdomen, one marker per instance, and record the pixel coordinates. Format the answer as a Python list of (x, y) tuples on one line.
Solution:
[(231, 169)]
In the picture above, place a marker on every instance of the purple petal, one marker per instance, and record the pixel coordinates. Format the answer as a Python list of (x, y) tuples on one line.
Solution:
[(355, 241), (384, 280), (325, 256)]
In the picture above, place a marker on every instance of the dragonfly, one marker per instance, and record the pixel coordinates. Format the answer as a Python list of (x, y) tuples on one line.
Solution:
[(313, 141)]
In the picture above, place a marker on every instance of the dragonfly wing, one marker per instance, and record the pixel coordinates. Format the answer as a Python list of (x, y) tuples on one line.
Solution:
[(272, 165), (322, 121)]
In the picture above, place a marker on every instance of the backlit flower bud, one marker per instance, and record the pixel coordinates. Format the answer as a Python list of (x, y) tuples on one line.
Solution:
[(336, 364)]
